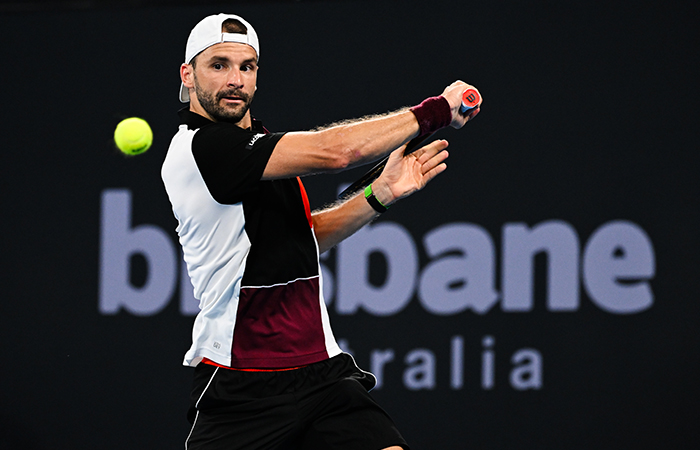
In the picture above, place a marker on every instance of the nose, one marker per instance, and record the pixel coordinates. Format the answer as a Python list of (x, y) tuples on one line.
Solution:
[(235, 78)]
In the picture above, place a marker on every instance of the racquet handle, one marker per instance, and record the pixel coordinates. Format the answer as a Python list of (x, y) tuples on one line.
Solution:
[(470, 100)]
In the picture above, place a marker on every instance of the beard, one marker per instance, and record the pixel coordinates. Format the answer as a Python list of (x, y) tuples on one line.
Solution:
[(212, 104)]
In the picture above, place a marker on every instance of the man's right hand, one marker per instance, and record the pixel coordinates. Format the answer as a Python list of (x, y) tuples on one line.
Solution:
[(453, 94)]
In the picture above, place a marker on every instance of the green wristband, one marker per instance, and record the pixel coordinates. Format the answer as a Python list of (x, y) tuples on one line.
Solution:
[(374, 201)]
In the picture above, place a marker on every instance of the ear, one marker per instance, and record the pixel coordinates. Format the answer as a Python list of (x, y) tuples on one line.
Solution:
[(187, 75)]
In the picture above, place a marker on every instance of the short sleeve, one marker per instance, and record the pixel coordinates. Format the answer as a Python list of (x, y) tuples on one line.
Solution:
[(232, 160)]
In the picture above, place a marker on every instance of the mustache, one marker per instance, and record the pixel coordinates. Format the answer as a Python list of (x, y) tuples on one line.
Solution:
[(233, 93)]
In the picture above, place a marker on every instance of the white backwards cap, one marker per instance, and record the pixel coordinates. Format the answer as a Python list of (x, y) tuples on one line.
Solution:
[(207, 33)]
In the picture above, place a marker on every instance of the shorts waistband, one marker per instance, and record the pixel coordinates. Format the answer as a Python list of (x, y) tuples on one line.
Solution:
[(212, 363)]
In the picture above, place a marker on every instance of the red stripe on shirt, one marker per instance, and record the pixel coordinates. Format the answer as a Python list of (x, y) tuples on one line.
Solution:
[(305, 199)]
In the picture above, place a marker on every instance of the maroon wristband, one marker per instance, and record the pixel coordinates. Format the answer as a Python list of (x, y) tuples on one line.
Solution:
[(433, 114)]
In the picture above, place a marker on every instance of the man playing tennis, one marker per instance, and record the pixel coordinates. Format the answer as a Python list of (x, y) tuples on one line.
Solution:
[(268, 371)]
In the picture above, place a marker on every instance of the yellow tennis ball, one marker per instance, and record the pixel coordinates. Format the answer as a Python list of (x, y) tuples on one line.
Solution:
[(133, 136)]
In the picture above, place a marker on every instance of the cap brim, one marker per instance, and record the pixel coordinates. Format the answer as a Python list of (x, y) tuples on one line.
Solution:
[(184, 94)]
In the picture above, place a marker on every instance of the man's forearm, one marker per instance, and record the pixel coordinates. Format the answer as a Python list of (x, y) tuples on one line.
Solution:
[(364, 140), (334, 224)]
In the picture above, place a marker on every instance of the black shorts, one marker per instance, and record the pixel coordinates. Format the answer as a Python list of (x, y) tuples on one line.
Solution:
[(321, 406)]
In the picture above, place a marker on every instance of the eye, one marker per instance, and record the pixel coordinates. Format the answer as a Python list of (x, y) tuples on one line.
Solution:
[(217, 66)]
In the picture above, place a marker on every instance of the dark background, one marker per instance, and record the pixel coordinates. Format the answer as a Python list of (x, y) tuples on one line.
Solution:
[(589, 117)]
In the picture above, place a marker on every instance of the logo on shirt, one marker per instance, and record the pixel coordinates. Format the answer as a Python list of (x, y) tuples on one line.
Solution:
[(253, 141)]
